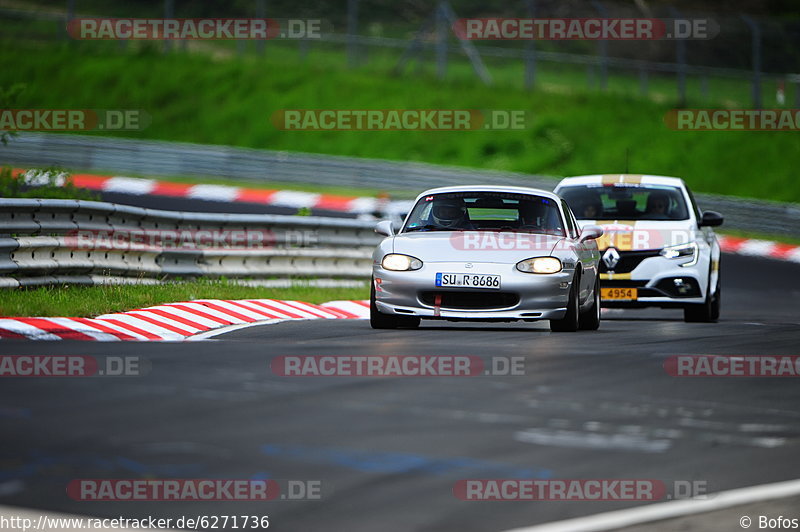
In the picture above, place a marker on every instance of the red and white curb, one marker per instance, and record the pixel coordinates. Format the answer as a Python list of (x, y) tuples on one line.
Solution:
[(759, 248), (177, 321), (224, 193)]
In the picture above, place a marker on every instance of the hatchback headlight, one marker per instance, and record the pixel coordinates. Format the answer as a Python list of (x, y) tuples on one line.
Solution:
[(682, 251), (540, 265), (400, 263)]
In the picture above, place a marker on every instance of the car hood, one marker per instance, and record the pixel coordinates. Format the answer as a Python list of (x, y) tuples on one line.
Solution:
[(640, 235), (474, 246)]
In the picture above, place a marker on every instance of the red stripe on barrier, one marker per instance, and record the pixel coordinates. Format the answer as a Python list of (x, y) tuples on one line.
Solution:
[(133, 328), (161, 324), (254, 195), (11, 335), (93, 182), (245, 307), (166, 188), (731, 244), (782, 251), (54, 328), (226, 311), (190, 310), (334, 203), (179, 319), (273, 308), (340, 313), (97, 324), (312, 310)]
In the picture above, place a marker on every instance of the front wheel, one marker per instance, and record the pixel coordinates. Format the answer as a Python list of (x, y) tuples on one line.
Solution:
[(378, 320), (590, 319), (570, 321)]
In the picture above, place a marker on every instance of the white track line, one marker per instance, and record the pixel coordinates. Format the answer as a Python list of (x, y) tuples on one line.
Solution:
[(669, 510)]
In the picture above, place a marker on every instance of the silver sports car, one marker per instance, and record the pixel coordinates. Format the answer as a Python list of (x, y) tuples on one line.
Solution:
[(487, 253)]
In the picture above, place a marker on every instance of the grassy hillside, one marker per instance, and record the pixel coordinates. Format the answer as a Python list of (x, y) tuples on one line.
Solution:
[(229, 100)]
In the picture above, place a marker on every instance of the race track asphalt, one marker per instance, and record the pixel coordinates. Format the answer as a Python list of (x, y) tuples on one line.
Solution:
[(388, 451)]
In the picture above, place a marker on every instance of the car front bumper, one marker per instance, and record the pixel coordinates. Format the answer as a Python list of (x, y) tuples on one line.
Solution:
[(536, 296), (654, 278)]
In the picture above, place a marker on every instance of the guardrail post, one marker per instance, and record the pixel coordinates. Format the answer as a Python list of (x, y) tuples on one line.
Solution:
[(441, 42), (755, 29), (352, 31), (466, 45), (643, 81), (796, 82), (530, 50), (70, 15), (261, 12), (169, 12), (602, 47), (680, 58)]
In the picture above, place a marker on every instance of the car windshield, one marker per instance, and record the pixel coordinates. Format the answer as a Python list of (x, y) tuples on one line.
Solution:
[(625, 202), (485, 211)]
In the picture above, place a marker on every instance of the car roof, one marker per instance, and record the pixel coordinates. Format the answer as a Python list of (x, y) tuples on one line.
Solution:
[(628, 179), (490, 188)]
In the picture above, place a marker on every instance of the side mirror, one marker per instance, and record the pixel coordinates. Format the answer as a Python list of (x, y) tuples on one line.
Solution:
[(385, 228), (591, 232), (711, 219)]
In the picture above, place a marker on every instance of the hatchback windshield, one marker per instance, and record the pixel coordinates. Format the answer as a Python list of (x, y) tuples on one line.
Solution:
[(625, 202), (479, 211)]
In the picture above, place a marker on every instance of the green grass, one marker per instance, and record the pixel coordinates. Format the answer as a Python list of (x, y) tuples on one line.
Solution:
[(88, 301), (48, 186), (204, 98)]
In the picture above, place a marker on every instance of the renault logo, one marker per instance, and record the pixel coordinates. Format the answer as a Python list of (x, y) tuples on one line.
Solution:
[(611, 258)]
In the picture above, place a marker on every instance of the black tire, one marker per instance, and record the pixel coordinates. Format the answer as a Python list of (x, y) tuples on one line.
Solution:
[(570, 321), (705, 312), (590, 319), (379, 320)]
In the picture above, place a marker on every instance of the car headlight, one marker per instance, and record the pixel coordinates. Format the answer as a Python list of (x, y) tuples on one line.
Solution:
[(682, 251), (400, 263), (540, 265)]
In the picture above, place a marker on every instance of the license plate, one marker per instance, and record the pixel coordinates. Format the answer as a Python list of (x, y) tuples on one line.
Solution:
[(468, 280), (619, 294)]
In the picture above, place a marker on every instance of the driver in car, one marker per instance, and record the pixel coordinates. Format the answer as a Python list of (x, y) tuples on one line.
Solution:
[(657, 206), (450, 213)]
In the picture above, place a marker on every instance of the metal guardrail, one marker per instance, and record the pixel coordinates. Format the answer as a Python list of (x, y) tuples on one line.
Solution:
[(157, 158), (88, 242)]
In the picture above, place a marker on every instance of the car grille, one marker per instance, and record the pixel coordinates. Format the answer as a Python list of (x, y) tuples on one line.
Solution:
[(470, 300), (628, 260)]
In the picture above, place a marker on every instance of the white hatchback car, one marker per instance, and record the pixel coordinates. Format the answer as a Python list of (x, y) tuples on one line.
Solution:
[(658, 249)]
